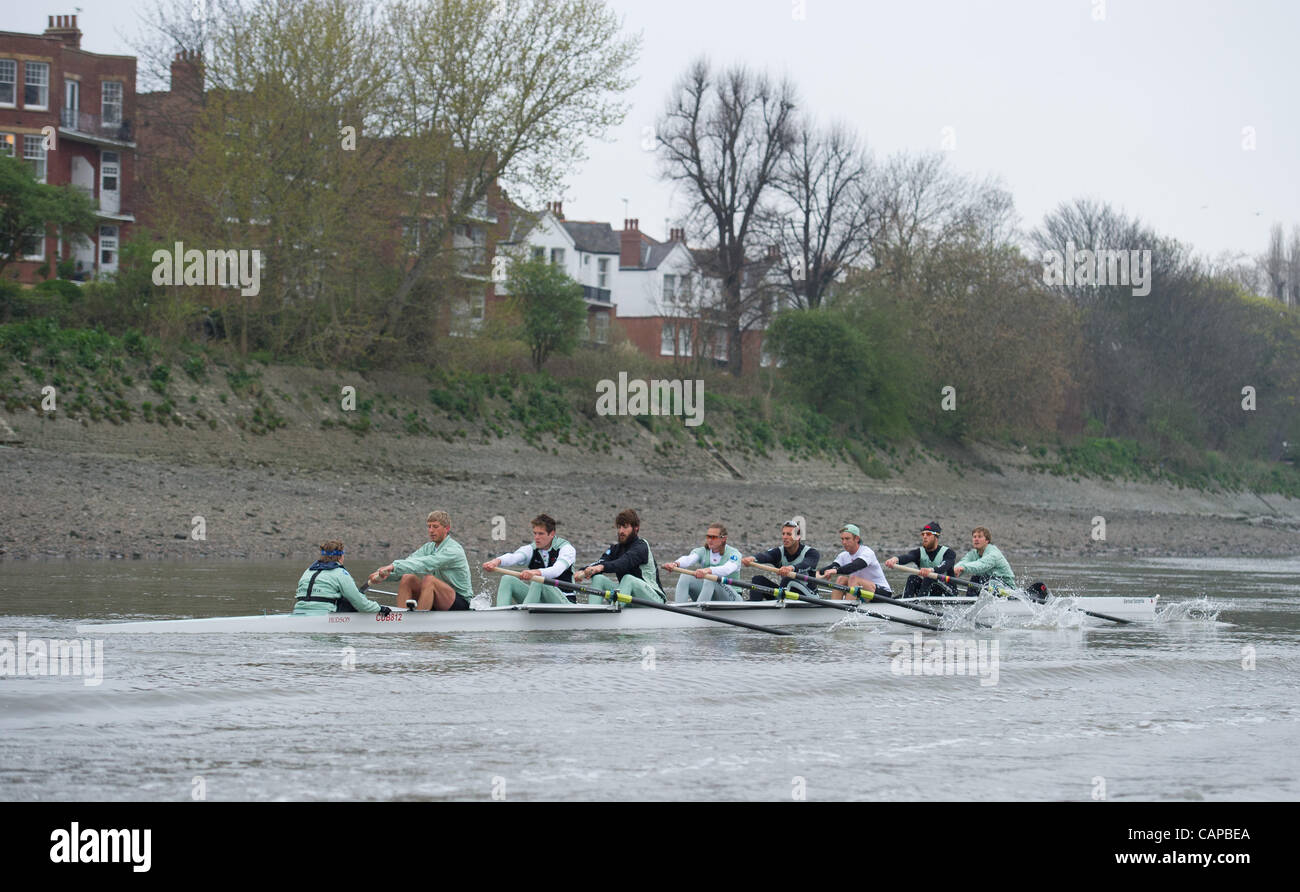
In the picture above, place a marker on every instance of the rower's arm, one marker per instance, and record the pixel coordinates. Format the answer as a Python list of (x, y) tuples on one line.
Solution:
[(519, 556), (729, 567), (628, 561), (349, 590), (567, 557)]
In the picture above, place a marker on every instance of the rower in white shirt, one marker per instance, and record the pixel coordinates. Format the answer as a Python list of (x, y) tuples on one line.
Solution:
[(855, 565), (549, 557), (715, 558)]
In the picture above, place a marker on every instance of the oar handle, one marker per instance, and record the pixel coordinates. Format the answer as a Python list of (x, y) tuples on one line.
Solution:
[(712, 577)]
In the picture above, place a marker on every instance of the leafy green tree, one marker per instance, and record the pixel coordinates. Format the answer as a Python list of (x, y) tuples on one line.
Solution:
[(843, 364), (332, 130), (28, 207), (550, 306)]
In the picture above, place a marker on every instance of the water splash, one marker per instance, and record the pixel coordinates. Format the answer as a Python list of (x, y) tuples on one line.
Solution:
[(1202, 611)]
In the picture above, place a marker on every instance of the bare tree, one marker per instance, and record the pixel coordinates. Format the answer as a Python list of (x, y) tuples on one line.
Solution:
[(1293, 267), (920, 208), (724, 138), (823, 229), (1274, 263)]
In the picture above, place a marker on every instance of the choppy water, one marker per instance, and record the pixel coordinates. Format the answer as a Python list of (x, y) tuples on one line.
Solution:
[(1163, 712)]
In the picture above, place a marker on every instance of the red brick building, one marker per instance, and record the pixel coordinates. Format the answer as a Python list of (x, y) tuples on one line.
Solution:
[(68, 113)]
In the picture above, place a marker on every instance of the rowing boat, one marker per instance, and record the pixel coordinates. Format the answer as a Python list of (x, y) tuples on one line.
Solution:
[(582, 617)]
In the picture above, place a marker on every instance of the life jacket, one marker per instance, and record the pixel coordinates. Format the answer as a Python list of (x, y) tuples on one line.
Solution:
[(539, 562), (787, 561), (650, 569), (341, 604), (927, 561)]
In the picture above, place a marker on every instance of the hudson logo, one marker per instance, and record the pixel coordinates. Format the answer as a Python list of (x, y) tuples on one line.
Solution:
[(640, 397), (55, 657), (74, 846), (194, 267)]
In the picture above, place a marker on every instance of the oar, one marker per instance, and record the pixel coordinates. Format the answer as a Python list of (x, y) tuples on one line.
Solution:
[(629, 599), (855, 591), (981, 586), (787, 594)]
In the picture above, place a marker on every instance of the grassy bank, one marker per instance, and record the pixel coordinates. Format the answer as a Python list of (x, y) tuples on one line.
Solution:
[(485, 390)]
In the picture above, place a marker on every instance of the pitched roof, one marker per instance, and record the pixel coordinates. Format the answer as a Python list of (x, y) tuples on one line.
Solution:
[(594, 238), (656, 255)]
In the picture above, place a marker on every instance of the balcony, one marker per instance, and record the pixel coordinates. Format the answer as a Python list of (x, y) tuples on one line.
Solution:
[(596, 295), (79, 124)]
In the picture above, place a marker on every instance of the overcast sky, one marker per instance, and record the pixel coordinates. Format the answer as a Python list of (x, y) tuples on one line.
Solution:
[(1145, 108)]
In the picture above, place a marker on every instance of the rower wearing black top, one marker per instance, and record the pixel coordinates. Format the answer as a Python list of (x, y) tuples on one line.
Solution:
[(628, 564), (792, 556), (930, 558)]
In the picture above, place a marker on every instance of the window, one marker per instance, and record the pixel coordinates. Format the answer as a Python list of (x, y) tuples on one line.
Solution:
[(467, 314), (68, 115), (108, 246), (34, 151), (33, 246), (539, 253), (411, 236), (108, 170), (600, 326), (36, 85), (477, 235), (721, 343), (8, 81), (557, 257), (602, 272), (586, 260), (7, 144), (112, 102), (677, 288), (683, 333)]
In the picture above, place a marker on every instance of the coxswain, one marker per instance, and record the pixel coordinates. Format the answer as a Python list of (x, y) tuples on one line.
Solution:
[(792, 556), (856, 565), (627, 565), (549, 557), (435, 575), (930, 558), (985, 562), (326, 587), (715, 557)]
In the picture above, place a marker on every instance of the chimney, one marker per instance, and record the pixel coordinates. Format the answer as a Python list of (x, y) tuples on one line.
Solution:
[(677, 235), (64, 29), (629, 244), (559, 210), (773, 252), (187, 72)]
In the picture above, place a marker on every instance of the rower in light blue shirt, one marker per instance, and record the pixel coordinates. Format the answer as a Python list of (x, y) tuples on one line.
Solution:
[(715, 558)]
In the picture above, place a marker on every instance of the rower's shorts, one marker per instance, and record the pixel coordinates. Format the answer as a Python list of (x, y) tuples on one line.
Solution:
[(459, 604)]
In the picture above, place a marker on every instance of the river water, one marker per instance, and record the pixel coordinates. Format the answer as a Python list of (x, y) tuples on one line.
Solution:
[(1201, 705)]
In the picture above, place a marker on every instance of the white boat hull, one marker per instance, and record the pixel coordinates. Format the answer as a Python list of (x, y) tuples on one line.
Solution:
[(574, 617)]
